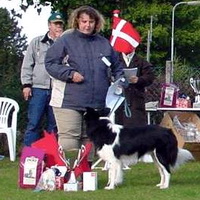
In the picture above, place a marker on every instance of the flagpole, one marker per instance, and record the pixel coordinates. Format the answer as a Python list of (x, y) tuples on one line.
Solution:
[(149, 39), (148, 46)]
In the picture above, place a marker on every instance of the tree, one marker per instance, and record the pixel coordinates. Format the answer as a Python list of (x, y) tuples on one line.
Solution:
[(187, 30), (187, 24), (12, 46)]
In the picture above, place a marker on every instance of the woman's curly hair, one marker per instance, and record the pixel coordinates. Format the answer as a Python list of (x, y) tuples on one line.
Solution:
[(93, 13)]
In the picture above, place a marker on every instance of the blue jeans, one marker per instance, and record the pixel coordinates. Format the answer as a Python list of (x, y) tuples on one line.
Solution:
[(38, 108)]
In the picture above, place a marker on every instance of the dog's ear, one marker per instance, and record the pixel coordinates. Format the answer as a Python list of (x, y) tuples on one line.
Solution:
[(91, 113), (90, 110), (104, 112)]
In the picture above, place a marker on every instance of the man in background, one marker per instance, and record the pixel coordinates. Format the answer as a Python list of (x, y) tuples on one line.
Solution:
[(37, 83)]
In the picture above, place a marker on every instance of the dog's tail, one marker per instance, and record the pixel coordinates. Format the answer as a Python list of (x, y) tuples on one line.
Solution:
[(183, 156)]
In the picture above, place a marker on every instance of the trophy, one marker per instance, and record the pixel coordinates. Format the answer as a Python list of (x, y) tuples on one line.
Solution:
[(195, 84)]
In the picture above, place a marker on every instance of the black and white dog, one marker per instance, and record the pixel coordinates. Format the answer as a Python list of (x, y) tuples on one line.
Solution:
[(119, 145)]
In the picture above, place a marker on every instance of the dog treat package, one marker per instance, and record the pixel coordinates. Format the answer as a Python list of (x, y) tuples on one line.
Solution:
[(169, 95), (31, 167)]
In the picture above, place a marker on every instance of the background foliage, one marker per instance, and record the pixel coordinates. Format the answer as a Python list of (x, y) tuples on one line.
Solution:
[(187, 24), (12, 46)]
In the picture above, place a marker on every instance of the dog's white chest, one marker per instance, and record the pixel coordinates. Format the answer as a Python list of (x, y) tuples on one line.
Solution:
[(106, 153)]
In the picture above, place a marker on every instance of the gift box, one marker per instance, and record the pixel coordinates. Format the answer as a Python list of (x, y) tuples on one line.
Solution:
[(72, 184), (89, 181), (71, 187), (59, 182), (183, 103), (60, 176)]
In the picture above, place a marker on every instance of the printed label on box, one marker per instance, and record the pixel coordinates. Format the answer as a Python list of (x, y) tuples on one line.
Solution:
[(30, 169), (168, 98)]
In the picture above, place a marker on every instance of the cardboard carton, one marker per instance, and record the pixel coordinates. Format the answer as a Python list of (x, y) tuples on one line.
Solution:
[(89, 181), (184, 117), (72, 184), (167, 121), (194, 148), (71, 187)]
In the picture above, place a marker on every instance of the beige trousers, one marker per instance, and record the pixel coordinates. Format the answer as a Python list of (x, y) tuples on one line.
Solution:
[(71, 128)]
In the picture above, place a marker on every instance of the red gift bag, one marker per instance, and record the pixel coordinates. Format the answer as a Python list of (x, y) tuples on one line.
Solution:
[(53, 151)]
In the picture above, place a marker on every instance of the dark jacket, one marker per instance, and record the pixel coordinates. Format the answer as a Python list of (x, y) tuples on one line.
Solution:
[(75, 51), (135, 94)]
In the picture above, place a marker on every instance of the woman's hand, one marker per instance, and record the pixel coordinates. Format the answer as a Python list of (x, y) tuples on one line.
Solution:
[(133, 79), (77, 77)]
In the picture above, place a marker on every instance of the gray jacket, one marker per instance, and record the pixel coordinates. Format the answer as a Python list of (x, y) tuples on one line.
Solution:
[(90, 55), (33, 72)]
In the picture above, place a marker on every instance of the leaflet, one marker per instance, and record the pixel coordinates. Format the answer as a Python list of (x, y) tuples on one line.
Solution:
[(128, 72)]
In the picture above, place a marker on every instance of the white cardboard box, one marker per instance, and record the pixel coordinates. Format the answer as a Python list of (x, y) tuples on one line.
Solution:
[(89, 181), (71, 187)]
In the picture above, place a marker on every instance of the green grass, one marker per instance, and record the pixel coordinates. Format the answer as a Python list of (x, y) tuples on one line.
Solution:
[(139, 184)]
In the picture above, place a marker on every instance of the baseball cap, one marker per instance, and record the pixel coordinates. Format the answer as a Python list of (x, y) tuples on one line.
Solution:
[(56, 17)]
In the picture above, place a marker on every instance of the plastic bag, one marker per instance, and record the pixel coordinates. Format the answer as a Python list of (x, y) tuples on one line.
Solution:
[(47, 181)]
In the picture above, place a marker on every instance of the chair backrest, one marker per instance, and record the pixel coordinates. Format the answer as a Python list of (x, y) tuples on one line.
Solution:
[(8, 113)]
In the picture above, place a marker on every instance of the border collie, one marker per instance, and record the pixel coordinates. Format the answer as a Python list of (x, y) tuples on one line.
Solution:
[(118, 145)]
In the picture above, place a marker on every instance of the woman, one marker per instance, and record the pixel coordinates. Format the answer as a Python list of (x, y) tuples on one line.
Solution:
[(81, 63), (135, 92)]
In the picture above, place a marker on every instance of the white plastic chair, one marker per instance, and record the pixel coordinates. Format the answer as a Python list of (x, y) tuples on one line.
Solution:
[(8, 123)]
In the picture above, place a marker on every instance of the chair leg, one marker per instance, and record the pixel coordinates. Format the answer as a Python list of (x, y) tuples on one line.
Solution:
[(14, 144), (11, 146)]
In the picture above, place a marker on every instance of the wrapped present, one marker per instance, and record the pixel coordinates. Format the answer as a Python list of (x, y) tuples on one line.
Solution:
[(59, 182), (183, 103)]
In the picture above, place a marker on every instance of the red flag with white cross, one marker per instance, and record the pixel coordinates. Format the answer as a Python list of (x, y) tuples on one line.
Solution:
[(125, 38)]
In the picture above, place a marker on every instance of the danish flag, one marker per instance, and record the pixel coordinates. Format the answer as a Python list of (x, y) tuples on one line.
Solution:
[(125, 38)]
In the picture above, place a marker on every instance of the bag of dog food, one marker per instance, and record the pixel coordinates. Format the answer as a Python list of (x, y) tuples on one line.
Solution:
[(169, 95), (31, 167)]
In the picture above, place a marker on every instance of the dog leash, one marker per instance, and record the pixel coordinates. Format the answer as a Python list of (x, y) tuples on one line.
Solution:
[(127, 110)]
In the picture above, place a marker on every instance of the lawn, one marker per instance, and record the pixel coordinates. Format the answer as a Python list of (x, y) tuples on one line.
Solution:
[(139, 184)]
